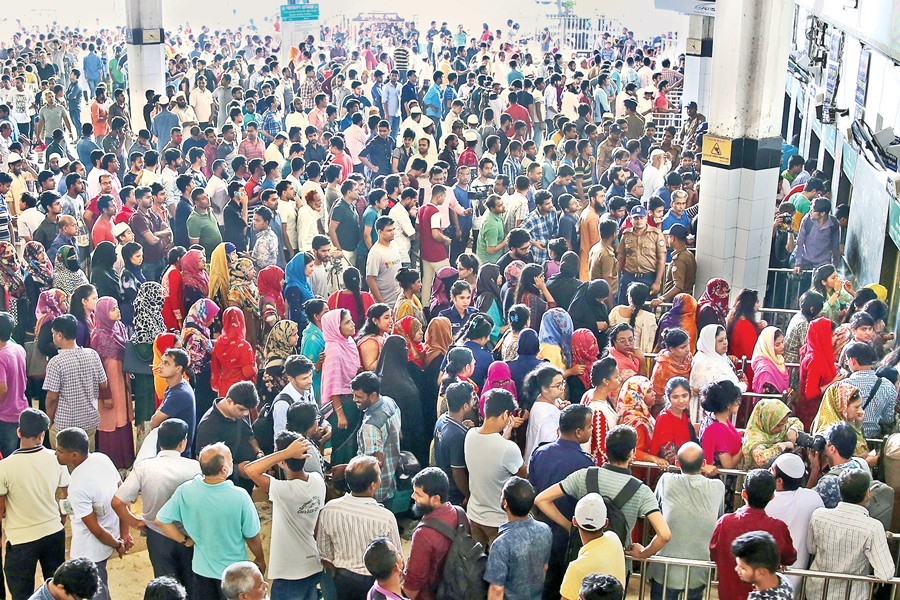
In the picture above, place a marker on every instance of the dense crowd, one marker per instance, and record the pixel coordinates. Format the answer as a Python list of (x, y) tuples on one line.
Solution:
[(414, 271)]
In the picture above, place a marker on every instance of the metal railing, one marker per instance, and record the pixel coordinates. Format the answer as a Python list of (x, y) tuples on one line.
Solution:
[(784, 287), (836, 586)]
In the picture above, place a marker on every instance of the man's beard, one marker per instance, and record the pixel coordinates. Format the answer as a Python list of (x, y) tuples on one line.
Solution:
[(421, 511)]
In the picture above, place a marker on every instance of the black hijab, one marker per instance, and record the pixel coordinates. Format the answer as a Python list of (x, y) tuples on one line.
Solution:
[(587, 308)]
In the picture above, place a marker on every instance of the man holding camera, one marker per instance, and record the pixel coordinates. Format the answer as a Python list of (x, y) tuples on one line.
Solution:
[(840, 442)]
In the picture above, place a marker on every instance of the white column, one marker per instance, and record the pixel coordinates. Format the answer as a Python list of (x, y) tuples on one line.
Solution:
[(737, 199), (698, 62), (146, 54)]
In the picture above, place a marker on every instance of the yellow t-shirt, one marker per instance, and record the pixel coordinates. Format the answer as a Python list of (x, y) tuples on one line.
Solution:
[(603, 555)]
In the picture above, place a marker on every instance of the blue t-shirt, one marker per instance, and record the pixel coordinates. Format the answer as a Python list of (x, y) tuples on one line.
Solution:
[(369, 217), (220, 535), (449, 451), (178, 403), (518, 557)]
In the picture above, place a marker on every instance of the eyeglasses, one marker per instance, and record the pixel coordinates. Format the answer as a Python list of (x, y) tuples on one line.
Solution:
[(559, 385), (625, 340)]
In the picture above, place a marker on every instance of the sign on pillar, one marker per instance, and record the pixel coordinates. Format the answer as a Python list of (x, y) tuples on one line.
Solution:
[(298, 21)]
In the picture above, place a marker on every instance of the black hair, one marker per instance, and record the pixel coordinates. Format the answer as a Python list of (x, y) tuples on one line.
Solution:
[(478, 327), (179, 357), (33, 422), (366, 382), (81, 293), (744, 306), (498, 401), (861, 352), (66, 326), (458, 358), (171, 433), (458, 394), (811, 304), (376, 311), (676, 382), (526, 281), (673, 337), (843, 437), (539, 378), (876, 309), (717, 396), (597, 586), (380, 559), (573, 417), (78, 576), (7, 324), (433, 481), (862, 296), (760, 487), (518, 316), (313, 307), (352, 282), (73, 439), (758, 549), (620, 442), (603, 369), (519, 496), (819, 276), (243, 393), (301, 416), (297, 364), (854, 485), (638, 293), (615, 331), (459, 286), (283, 439), (175, 254), (165, 588), (407, 277)]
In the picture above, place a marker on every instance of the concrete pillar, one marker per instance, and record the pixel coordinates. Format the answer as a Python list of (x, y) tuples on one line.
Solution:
[(698, 62), (742, 153), (146, 54)]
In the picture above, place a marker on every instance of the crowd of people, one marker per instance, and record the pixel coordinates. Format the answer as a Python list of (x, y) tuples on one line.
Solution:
[(428, 272)]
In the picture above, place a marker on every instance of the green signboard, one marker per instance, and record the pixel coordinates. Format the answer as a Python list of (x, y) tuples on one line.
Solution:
[(894, 222), (299, 12)]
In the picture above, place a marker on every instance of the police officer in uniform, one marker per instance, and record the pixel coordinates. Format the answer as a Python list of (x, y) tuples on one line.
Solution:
[(641, 254), (682, 271)]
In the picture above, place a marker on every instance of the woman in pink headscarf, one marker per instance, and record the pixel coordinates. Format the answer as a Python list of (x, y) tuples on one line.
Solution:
[(340, 366), (115, 437), (499, 377)]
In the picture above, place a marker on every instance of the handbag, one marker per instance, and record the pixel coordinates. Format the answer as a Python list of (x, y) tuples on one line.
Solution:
[(35, 361), (138, 359)]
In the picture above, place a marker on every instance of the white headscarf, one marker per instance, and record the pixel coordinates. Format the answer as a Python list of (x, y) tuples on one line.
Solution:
[(706, 346)]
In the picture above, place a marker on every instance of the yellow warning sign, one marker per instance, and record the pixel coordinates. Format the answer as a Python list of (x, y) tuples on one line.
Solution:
[(716, 150)]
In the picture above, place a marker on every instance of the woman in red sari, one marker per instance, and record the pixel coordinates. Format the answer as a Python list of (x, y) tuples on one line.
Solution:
[(233, 359), (743, 329), (817, 369), (173, 310)]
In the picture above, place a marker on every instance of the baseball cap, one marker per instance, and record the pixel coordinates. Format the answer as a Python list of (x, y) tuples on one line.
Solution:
[(692, 104), (615, 128), (791, 465), (639, 211), (13, 158), (472, 120), (119, 228), (590, 512), (678, 230), (630, 103)]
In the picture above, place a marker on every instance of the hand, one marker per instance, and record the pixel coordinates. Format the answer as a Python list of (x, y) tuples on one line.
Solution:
[(655, 302), (108, 403), (848, 286), (662, 463), (140, 525), (762, 324), (578, 369), (121, 549), (787, 446), (324, 433), (374, 168), (635, 551), (654, 289), (791, 436), (539, 282), (299, 448), (796, 270), (128, 541), (815, 462), (342, 421), (709, 470), (469, 423), (261, 563)]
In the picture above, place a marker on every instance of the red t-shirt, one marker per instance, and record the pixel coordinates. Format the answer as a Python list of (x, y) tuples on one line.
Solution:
[(518, 113), (124, 214), (432, 249)]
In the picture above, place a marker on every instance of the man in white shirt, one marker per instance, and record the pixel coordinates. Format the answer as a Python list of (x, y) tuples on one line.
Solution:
[(30, 479), (308, 221), (654, 173), (793, 504), (491, 459), (287, 210), (202, 102), (404, 231), (294, 564), (96, 530), (217, 190), (155, 480)]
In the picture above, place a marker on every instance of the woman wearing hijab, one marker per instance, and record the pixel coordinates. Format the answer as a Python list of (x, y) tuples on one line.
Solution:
[(38, 278), (710, 364), (511, 275), (50, 304), (555, 337), (341, 365), (633, 407), (104, 276), (589, 311), (148, 323), (527, 359), (233, 359), (817, 369), (173, 289), (842, 402), (565, 284), (297, 288), (115, 437), (132, 279), (673, 360), (440, 289), (682, 315), (438, 337), (771, 431), (12, 279), (196, 340), (712, 308), (410, 330), (499, 377), (244, 295), (487, 298), (219, 272), (585, 352), (397, 383), (67, 273), (194, 277), (352, 298), (770, 375), (81, 306), (280, 344), (312, 343), (272, 306)]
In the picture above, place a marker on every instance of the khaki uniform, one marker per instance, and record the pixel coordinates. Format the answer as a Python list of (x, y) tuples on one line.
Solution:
[(605, 266), (681, 272), (642, 251)]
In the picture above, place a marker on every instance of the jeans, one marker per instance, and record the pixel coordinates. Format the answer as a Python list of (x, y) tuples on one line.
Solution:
[(537, 137), (92, 86), (22, 561), (395, 126), (626, 279), (295, 589), (656, 589), (103, 589), (9, 439), (75, 117), (168, 557)]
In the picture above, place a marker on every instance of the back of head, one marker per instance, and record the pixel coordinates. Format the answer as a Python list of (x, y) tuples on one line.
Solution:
[(843, 437), (79, 577), (596, 586), (854, 485), (244, 393), (620, 443), (758, 550), (760, 487), (239, 578), (33, 422), (165, 588), (380, 558), (73, 439), (497, 402), (361, 473), (171, 433), (519, 496), (690, 458), (573, 417), (283, 439)]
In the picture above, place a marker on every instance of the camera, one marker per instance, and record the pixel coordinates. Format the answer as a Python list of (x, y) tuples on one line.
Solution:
[(787, 219), (480, 192), (816, 443)]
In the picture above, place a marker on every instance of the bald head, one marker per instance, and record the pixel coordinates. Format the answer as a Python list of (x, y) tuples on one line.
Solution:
[(214, 459), (690, 458)]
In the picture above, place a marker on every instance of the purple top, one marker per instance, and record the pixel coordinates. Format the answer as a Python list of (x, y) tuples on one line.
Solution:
[(12, 373)]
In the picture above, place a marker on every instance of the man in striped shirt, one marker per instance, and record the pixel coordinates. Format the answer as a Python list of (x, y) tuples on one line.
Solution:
[(401, 59), (348, 524)]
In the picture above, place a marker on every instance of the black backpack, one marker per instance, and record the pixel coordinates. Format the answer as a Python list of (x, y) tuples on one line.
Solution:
[(617, 523), (463, 575), (264, 425)]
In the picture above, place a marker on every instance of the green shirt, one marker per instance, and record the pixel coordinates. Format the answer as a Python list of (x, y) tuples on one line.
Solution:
[(492, 233), (206, 229)]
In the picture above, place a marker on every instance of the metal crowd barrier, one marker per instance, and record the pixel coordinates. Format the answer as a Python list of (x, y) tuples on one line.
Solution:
[(836, 586), (784, 288)]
